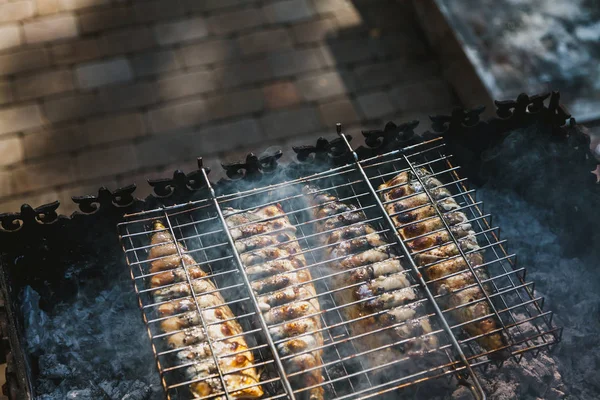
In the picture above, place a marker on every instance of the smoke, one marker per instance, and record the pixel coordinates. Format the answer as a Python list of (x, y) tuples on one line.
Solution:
[(547, 207), (569, 292), (93, 347)]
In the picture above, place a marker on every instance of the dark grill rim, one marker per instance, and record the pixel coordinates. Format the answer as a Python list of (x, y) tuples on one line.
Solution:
[(461, 126)]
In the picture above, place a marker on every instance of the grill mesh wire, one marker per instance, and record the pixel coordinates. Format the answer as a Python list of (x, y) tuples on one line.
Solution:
[(348, 374)]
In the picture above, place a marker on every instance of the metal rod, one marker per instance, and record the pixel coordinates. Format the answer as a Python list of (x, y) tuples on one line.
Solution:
[(145, 318), (334, 326), (284, 380), (198, 309), (151, 260), (426, 190), (503, 250), (296, 196), (174, 226), (442, 158), (405, 184), (292, 212), (395, 152), (320, 175), (412, 238), (412, 263)]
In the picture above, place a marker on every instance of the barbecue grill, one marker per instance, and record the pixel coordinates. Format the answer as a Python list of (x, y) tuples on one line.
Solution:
[(193, 211)]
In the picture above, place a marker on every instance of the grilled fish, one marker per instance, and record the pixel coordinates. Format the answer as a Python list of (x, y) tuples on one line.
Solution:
[(272, 259), (426, 236), (379, 291), (184, 320)]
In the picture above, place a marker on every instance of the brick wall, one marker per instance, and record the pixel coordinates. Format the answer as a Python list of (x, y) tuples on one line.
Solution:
[(107, 92)]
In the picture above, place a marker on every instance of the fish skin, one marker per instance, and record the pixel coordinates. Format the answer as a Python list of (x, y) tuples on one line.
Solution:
[(176, 275), (355, 246), (241, 224), (170, 289), (456, 290), (273, 261)]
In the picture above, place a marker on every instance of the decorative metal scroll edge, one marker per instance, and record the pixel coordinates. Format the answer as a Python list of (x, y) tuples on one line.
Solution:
[(466, 126), (44, 214), (324, 150), (460, 122), (179, 184), (254, 167), (179, 187), (509, 113), (121, 198)]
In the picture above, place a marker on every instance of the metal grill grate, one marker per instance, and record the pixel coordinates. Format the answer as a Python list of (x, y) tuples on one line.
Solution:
[(196, 226), (348, 371), (512, 300)]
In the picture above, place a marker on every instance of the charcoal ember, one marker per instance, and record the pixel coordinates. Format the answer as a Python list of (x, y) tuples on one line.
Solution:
[(108, 387), (51, 367), (45, 386), (65, 392), (35, 319), (530, 379), (86, 341), (126, 390), (85, 394), (115, 366), (138, 391), (336, 370), (108, 344), (462, 393)]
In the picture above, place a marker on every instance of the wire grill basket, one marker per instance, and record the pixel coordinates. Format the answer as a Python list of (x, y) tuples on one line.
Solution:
[(348, 370)]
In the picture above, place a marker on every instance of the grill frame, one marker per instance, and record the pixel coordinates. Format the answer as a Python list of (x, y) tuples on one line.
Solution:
[(67, 237), (464, 367), (170, 215), (482, 230)]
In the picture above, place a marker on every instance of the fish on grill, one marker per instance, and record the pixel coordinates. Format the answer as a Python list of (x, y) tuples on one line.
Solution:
[(370, 279), (426, 236), (180, 311), (272, 259)]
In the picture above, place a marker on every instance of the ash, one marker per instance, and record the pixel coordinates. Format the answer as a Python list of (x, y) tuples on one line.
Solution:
[(538, 196), (570, 287), (535, 190), (94, 347)]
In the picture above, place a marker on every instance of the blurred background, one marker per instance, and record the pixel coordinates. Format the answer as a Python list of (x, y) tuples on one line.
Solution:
[(110, 92)]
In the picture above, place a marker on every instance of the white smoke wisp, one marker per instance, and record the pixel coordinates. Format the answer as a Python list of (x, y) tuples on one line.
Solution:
[(91, 347)]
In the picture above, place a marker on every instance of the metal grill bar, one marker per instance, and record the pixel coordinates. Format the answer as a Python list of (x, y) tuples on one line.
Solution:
[(483, 218), (333, 172), (346, 371), (263, 324), (139, 264), (514, 296), (144, 316), (457, 244), (416, 166), (288, 198), (497, 256), (414, 267)]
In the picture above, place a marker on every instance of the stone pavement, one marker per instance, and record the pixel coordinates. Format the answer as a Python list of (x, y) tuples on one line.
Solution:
[(110, 92)]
